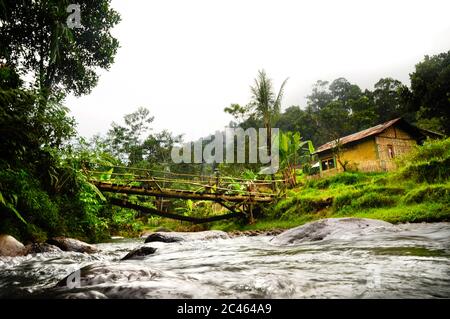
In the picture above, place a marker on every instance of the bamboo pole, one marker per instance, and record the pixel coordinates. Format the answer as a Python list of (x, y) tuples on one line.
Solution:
[(152, 211)]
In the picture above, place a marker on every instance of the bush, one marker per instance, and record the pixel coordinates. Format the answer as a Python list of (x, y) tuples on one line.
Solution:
[(374, 200), (427, 163), (345, 178), (31, 202), (431, 149), (345, 199), (386, 190), (430, 193)]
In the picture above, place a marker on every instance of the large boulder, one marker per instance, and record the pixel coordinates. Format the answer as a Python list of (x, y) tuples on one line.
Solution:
[(70, 244), (38, 248), (330, 228), (172, 237), (9, 246), (140, 253)]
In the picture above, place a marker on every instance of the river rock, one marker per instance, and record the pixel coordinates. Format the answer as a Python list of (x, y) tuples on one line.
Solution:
[(185, 236), (127, 280), (140, 253), (108, 273), (330, 228), (38, 248), (251, 233), (9, 246), (70, 244), (163, 238)]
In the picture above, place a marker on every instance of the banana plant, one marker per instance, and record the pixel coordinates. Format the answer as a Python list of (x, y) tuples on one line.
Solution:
[(293, 151)]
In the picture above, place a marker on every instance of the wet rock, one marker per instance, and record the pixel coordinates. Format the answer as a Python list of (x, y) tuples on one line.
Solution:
[(38, 248), (140, 253), (172, 237), (251, 233), (9, 246), (330, 228), (87, 295), (130, 281), (145, 234), (107, 273), (163, 238), (70, 244)]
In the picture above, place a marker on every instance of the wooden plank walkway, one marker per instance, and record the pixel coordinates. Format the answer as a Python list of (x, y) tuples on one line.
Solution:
[(184, 194)]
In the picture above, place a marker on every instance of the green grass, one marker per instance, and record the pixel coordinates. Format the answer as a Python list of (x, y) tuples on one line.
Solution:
[(424, 212)]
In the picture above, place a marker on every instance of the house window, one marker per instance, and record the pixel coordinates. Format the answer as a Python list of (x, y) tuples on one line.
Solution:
[(328, 164), (391, 151)]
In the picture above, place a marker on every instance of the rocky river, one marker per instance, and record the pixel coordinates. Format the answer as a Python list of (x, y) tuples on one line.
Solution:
[(333, 258)]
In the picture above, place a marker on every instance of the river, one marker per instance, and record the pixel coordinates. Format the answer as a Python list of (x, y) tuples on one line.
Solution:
[(412, 262)]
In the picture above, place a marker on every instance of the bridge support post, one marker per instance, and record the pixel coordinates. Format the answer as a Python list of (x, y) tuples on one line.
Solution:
[(251, 219)]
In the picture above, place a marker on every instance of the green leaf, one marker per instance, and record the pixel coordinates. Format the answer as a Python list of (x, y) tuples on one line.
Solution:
[(107, 175), (14, 210), (11, 207), (97, 191), (2, 199)]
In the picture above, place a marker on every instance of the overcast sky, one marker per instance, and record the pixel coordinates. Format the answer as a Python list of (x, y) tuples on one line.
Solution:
[(186, 60)]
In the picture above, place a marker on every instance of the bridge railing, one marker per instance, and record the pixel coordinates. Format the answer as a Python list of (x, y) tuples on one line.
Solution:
[(165, 180)]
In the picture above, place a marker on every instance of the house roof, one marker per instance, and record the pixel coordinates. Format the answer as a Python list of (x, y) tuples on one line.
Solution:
[(358, 135)]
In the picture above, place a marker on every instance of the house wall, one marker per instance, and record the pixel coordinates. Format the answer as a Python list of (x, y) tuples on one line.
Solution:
[(359, 155), (401, 142)]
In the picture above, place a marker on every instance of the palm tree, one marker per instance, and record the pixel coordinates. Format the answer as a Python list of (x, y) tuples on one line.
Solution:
[(266, 104)]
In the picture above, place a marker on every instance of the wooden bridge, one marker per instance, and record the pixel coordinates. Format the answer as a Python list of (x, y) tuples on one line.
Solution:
[(240, 196)]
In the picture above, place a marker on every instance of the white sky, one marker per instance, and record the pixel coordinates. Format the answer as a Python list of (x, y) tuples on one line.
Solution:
[(186, 60)]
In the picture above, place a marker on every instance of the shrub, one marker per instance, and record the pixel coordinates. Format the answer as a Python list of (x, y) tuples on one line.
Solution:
[(345, 178), (373, 200), (431, 193), (435, 170), (31, 202), (345, 199), (431, 149)]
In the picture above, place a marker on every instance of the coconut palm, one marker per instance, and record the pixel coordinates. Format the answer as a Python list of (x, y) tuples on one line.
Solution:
[(266, 104)]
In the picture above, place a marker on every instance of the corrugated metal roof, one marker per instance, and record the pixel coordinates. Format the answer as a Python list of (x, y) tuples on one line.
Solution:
[(358, 135)]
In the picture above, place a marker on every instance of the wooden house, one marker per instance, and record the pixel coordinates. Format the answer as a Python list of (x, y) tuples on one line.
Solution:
[(371, 150)]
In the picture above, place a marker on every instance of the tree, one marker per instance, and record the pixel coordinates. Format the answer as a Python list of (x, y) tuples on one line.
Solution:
[(266, 103), (125, 142), (36, 40), (25, 134), (430, 91), (157, 147), (320, 96), (343, 91), (239, 113), (335, 120), (297, 120), (387, 99), (363, 112)]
